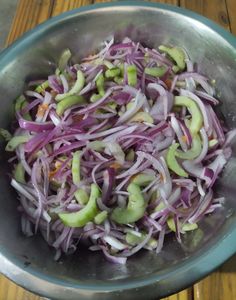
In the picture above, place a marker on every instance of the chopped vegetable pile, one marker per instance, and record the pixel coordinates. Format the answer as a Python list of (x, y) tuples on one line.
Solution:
[(118, 151)]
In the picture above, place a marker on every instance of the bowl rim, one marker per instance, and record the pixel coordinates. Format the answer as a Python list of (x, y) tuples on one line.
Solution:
[(207, 262)]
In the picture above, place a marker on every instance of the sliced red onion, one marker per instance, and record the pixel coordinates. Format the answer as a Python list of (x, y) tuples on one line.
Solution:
[(173, 83), (122, 98), (84, 137), (164, 102), (30, 106), (132, 170), (102, 206), (34, 94), (158, 56), (114, 259), (190, 84), (197, 170), (140, 99), (64, 83), (114, 243), (178, 131), (22, 158), (114, 136), (115, 150), (200, 188), (204, 204), (34, 126), (123, 182), (98, 156), (54, 84), (61, 237), (95, 105), (108, 181), (186, 196), (186, 132), (174, 197), (127, 253), (217, 166), (155, 162), (154, 223), (207, 97), (23, 191), (68, 148)]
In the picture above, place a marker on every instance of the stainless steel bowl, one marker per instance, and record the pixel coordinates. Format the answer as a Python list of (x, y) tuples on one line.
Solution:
[(29, 261)]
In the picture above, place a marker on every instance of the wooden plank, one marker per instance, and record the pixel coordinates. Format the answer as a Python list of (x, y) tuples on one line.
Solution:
[(62, 6), (215, 10), (220, 285), (29, 13), (231, 7), (10, 291), (183, 295)]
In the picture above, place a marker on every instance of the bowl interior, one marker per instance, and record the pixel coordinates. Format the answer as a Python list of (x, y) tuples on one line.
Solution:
[(83, 32)]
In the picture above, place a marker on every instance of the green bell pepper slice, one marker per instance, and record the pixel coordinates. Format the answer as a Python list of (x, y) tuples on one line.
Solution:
[(134, 240), (75, 169), (132, 75), (42, 87), (173, 163), (156, 71), (135, 209), (141, 116), (193, 152), (176, 54), (67, 102), (183, 227), (100, 85), (19, 173), (63, 61), (112, 73), (76, 88), (95, 97), (101, 217), (142, 179), (16, 141), (212, 143), (81, 196), (197, 119), (20, 104), (86, 214)]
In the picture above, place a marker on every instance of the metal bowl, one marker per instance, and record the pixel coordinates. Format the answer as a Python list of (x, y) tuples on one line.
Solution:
[(29, 261)]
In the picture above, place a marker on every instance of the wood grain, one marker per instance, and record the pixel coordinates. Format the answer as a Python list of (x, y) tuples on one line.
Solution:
[(221, 284), (29, 13), (11, 291), (183, 295), (62, 6), (213, 9), (231, 7)]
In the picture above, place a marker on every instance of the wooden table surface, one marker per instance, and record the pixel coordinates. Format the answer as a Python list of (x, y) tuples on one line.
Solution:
[(221, 285)]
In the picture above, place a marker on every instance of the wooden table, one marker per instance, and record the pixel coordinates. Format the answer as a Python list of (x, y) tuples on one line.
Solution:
[(221, 285)]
